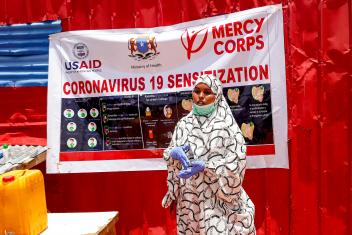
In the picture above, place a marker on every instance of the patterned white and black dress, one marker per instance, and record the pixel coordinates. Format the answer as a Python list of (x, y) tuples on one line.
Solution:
[(211, 202)]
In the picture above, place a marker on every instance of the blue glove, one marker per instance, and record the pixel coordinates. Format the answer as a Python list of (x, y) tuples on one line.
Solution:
[(197, 166), (178, 153)]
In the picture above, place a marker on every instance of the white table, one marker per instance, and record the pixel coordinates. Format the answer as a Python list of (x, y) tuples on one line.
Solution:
[(81, 223)]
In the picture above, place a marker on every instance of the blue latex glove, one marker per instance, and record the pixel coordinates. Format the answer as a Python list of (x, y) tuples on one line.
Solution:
[(178, 153), (197, 166)]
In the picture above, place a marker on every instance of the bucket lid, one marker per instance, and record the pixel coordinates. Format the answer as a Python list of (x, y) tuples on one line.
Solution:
[(8, 178)]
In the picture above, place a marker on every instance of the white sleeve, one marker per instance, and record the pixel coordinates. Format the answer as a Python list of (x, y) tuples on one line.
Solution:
[(173, 168), (229, 171)]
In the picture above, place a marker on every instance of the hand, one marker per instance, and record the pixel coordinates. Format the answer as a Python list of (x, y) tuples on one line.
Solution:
[(178, 153), (197, 166)]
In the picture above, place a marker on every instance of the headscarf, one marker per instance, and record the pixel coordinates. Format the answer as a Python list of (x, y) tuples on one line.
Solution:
[(222, 110), (200, 130)]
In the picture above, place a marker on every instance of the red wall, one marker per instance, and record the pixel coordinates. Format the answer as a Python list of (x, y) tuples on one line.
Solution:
[(313, 197)]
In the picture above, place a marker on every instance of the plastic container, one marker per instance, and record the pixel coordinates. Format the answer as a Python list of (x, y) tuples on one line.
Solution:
[(22, 203), (2, 157), (5, 153)]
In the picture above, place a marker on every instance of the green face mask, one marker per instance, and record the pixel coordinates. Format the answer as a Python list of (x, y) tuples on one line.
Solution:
[(203, 110)]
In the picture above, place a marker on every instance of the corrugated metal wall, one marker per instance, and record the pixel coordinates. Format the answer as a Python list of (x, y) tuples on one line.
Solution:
[(24, 53), (313, 197)]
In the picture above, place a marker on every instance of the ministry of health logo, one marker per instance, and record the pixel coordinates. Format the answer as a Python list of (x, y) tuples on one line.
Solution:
[(143, 47), (80, 50)]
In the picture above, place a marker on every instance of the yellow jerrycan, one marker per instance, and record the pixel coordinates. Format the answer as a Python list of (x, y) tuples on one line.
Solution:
[(22, 203)]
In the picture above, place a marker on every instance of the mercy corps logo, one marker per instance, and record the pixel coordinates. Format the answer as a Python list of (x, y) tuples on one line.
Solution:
[(143, 47), (190, 39), (226, 38), (81, 51)]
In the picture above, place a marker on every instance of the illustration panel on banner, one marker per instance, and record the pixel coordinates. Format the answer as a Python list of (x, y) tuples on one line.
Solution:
[(80, 125), (251, 107)]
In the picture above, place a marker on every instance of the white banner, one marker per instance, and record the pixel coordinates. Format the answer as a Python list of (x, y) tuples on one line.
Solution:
[(115, 96)]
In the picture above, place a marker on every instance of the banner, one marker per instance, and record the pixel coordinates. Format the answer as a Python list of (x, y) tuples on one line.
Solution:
[(115, 96)]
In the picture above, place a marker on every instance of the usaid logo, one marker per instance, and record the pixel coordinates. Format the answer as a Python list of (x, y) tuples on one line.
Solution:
[(81, 51), (193, 42)]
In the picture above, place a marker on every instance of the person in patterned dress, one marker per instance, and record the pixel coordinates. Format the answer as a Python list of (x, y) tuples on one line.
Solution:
[(206, 162)]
